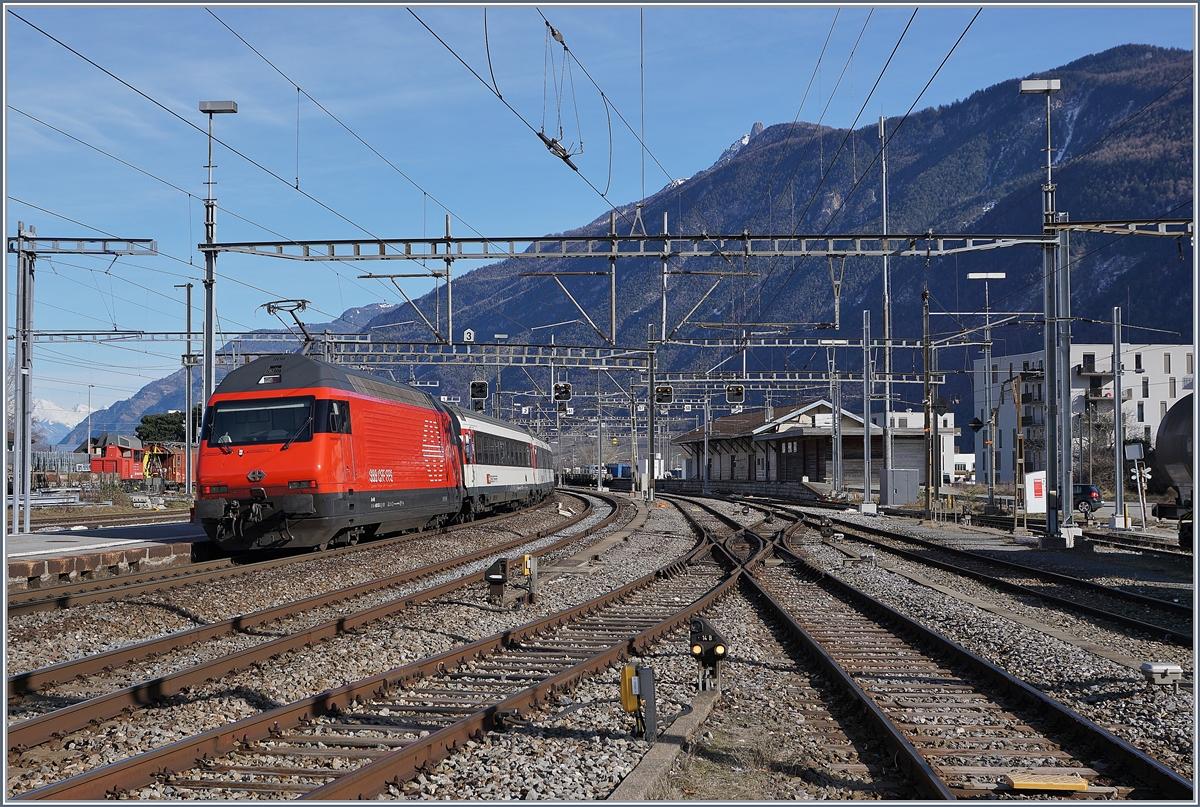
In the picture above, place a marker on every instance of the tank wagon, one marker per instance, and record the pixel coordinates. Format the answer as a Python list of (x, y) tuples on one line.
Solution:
[(297, 452), (1173, 447)]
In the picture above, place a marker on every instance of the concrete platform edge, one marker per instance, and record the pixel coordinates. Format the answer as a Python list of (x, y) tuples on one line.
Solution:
[(638, 785)]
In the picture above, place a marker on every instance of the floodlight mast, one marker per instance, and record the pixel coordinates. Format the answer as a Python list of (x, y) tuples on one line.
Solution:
[(211, 108), (1056, 292)]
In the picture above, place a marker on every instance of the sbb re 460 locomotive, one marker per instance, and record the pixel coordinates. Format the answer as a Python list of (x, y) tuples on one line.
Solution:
[(296, 452)]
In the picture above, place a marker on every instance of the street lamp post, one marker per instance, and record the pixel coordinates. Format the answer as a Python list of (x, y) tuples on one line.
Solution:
[(989, 435), (211, 108)]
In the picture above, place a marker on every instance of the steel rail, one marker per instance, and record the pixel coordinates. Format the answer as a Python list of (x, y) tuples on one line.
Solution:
[(907, 757), (111, 588), (1160, 548), (403, 764), (142, 769), (1141, 599), (1166, 634), (42, 728), (1167, 782), (113, 519)]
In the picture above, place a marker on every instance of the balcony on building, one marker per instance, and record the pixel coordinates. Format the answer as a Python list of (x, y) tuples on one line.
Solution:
[(1090, 370), (1095, 396)]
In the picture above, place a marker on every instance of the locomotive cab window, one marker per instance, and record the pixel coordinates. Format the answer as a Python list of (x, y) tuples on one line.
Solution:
[(262, 420), (333, 416)]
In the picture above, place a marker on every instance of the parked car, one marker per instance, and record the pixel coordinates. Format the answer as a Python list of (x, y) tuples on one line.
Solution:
[(1087, 499)]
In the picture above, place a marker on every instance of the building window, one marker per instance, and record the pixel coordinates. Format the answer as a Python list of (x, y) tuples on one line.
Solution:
[(1188, 363), (904, 423), (995, 373), (1137, 362), (1141, 412), (1166, 362), (1171, 387), (1025, 366), (1162, 409), (1089, 362), (1147, 434), (1145, 388)]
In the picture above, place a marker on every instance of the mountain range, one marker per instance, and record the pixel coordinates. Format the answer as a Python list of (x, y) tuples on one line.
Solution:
[(1121, 128)]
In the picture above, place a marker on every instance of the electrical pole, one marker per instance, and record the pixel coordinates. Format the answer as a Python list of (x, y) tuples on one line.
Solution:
[(650, 424), (187, 418), (868, 504), (886, 489), (1118, 425), (927, 355)]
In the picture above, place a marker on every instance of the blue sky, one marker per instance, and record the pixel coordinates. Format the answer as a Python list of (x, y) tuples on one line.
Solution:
[(453, 147)]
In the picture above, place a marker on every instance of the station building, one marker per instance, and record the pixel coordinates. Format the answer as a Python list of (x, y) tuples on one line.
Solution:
[(790, 449), (1153, 378)]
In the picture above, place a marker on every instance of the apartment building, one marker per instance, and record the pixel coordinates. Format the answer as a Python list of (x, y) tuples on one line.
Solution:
[(1153, 378)]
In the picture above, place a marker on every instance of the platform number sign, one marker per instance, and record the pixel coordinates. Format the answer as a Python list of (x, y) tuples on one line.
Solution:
[(562, 392), (469, 335), (735, 394), (663, 395), (479, 390)]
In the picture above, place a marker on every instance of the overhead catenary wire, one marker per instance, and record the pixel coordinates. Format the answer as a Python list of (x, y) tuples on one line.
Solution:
[(905, 117), (199, 129)]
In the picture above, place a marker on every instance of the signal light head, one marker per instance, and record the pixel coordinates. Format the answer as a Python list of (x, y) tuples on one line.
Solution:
[(697, 650)]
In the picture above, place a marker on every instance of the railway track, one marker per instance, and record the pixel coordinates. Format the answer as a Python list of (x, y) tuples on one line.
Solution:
[(66, 522), (1172, 621), (55, 690), (67, 595), (368, 738), (964, 727), (1135, 543)]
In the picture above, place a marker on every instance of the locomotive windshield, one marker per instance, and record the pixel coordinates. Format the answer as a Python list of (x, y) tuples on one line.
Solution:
[(269, 420)]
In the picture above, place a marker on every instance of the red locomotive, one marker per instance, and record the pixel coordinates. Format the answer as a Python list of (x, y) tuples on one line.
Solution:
[(297, 452)]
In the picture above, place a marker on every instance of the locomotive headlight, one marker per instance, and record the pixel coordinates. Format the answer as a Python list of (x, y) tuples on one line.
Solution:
[(302, 484), (215, 489)]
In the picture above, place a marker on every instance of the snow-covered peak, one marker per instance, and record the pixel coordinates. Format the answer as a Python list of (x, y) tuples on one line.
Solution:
[(739, 144), (48, 411)]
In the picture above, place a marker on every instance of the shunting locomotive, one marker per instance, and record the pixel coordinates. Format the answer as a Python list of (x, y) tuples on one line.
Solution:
[(297, 452)]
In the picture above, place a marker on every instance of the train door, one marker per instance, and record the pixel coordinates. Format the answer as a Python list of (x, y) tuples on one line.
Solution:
[(341, 445)]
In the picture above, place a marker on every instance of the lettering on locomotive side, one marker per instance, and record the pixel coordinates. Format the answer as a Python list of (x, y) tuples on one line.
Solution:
[(380, 474)]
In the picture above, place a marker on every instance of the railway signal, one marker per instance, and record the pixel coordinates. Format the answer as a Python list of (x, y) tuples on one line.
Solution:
[(735, 394), (562, 392), (708, 648), (479, 390), (663, 395), (496, 576)]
